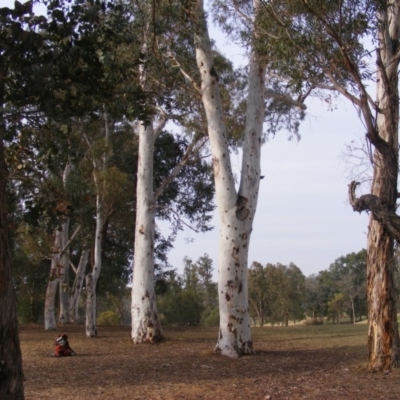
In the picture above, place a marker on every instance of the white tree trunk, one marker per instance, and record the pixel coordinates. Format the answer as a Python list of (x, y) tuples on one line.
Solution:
[(93, 276), (146, 326), (236, 209), (64, 276), (77, 287), (52, 285)]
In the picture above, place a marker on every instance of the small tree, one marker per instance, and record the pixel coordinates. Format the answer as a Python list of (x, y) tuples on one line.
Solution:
[(336, 307)]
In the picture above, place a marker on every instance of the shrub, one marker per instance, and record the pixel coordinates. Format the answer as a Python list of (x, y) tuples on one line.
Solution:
[(211, 317), (108, 318), (314, 321)]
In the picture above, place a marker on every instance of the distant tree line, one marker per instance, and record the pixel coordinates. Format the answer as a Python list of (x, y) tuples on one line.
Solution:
[(279, 293)]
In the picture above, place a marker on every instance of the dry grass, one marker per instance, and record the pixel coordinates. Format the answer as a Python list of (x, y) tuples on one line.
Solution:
[(299, 362)]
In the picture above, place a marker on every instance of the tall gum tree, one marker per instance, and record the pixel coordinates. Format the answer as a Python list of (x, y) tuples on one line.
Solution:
[(172, 100), (146, 325), (329, 38), (77, 286), (236, 208), (58, 271), (99, 175)]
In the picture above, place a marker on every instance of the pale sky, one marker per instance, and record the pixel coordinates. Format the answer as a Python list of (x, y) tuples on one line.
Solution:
[(303, 213)]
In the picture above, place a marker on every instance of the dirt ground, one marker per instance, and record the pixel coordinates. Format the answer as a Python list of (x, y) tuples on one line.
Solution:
[(299, 362)]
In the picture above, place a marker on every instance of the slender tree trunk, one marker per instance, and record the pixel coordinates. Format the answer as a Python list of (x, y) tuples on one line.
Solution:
[(93, 276), (353, 311), (53, 284), (383, 336), (236, 209), (146, 326), (11, 375), (58, 272), (64, 317), (77, 287)]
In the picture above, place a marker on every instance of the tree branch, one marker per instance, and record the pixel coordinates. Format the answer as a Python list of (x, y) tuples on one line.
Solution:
[(286, 99), (70, 240), (380, 211), (178, 168)]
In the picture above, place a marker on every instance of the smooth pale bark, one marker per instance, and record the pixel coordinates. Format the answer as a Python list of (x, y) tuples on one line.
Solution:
[(64, 271), (59, 268), (77, 287), (146, 326), (50, 322), (64, 276), (93, 276), (236, 209), (11, 375), (99, 166)]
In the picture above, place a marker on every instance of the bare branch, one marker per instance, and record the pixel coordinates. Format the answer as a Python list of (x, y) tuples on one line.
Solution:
[(178, 168), (285, 99), (70, 240), (185, 74), (178, 217), (161, 123), (73, 266)]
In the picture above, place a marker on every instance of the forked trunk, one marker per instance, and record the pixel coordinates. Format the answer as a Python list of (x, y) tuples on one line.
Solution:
[(236, 208), (77, 287), (146, 326)]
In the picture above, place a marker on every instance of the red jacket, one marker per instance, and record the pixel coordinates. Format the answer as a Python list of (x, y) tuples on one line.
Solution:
[(62, 347)]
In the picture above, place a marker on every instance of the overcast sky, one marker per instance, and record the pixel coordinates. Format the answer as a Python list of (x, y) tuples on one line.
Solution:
[(303, 214)]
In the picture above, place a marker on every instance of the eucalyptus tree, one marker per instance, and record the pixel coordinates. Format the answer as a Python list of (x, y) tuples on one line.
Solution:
[(171, 99), (331, 44), (237, 207)]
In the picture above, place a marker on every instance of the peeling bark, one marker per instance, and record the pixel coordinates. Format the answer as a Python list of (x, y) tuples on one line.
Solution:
[(382, 133), (380, 211)]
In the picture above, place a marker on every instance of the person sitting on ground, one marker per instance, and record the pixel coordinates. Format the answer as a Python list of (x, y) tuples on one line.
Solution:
[(62, 347)]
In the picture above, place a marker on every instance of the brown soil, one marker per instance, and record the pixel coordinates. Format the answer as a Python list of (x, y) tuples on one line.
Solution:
[(299, 362)]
